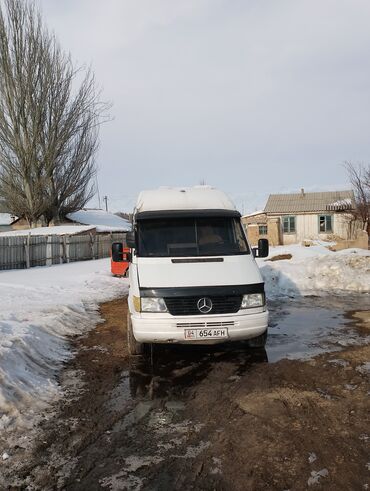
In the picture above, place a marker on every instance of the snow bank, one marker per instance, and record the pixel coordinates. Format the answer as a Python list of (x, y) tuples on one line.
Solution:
[(40, 309), (315, 270)]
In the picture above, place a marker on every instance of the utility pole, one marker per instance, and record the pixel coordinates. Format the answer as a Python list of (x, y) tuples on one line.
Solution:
[(105, 199)]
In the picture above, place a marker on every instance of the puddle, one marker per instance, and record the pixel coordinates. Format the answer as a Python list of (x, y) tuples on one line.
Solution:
[(305, 327), (149, 419), (173, 369), (299, 329)]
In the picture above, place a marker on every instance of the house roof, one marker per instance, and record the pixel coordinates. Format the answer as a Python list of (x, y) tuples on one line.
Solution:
[(102, 220), (259, 212), (309, 202), (56, 230), (6, 219)]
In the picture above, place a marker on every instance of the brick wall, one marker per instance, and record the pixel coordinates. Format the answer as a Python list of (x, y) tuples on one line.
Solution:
[(273, 229)]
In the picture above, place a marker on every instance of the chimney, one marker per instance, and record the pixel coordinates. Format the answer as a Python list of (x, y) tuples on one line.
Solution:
[(302, 193)]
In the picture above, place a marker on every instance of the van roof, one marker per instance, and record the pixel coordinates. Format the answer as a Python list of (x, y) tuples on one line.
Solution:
[(183, 199)]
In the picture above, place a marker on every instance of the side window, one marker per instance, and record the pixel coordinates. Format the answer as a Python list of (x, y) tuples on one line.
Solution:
[(240, 238), (289, 224), (325, 224), (262, 229)]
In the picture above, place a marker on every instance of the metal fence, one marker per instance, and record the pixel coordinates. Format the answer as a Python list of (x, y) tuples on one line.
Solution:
[(20, 252)]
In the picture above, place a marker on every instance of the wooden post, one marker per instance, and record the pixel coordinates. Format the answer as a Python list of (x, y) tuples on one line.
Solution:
[(49, 255), (27, 251), (61, 249), (67, 248), (92, 240)]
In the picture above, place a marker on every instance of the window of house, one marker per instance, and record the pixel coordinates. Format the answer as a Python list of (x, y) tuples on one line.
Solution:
[(289, 224), (262, 229), (325, 223)]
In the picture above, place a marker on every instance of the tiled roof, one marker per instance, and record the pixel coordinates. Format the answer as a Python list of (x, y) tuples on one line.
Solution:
[(307, 202)]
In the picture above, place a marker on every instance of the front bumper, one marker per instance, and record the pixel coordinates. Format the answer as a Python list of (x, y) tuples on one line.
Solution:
[(153, 328)]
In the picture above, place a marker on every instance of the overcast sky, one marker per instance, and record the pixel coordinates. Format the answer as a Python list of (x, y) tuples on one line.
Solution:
[(251, 96)]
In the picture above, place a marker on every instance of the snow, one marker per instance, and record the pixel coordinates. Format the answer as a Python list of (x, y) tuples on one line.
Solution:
[(57, 230), (91, 220), (316, 476), (259, 212), (6, 219), (312, 457), (102, 220), (187, 198), (315, 270), (341, 204), (40, 309)]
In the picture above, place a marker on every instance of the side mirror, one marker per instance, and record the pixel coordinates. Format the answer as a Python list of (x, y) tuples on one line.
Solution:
[(263, 248), (117, 252), (131, 240)]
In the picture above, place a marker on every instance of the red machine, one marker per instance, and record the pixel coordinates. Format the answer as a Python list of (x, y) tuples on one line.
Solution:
[(120, 259)]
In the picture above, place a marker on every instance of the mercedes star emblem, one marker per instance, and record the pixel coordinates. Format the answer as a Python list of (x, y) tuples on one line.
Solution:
[(204, 305)]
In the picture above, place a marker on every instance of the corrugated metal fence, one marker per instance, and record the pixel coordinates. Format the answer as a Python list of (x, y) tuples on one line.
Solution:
[(19, 252)]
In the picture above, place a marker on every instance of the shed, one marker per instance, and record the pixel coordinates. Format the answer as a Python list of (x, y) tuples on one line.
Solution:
[(103, 221)]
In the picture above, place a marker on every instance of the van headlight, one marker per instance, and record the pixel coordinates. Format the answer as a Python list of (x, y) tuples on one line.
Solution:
[(253, 300), (153, 304)]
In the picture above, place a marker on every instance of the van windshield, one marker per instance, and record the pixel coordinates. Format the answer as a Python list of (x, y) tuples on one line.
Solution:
[(171, 237)]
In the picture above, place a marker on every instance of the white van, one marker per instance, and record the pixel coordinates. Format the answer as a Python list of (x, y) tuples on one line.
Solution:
[(193, 275)]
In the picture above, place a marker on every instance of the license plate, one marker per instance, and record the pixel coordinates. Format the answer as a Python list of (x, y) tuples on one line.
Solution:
[(213, 333)]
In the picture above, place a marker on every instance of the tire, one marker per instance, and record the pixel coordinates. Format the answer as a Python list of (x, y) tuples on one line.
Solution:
[(259, 341), (134, 347)]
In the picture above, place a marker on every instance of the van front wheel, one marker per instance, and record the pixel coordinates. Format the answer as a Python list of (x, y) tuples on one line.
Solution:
[(259, 341), (134, 347)]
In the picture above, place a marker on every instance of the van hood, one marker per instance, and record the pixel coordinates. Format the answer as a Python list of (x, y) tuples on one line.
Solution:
[(188, 272)]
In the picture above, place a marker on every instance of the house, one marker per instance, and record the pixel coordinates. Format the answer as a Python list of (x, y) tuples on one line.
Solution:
[(102, 221), (293, 218), (260, 226)]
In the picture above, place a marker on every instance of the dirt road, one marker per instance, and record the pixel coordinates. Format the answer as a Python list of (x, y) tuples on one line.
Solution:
[(219, 418)]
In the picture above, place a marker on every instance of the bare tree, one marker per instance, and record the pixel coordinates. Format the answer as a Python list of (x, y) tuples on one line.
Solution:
[(50, 114), (359, 176)]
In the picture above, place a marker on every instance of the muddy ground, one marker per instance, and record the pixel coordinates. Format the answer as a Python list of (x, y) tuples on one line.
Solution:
[(208, 418)]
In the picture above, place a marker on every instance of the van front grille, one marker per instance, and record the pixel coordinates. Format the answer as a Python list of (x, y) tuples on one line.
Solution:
[(203, 325), (189, 305)]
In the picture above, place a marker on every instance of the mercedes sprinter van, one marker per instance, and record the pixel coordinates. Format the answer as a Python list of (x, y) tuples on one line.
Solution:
[(193, 275)]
